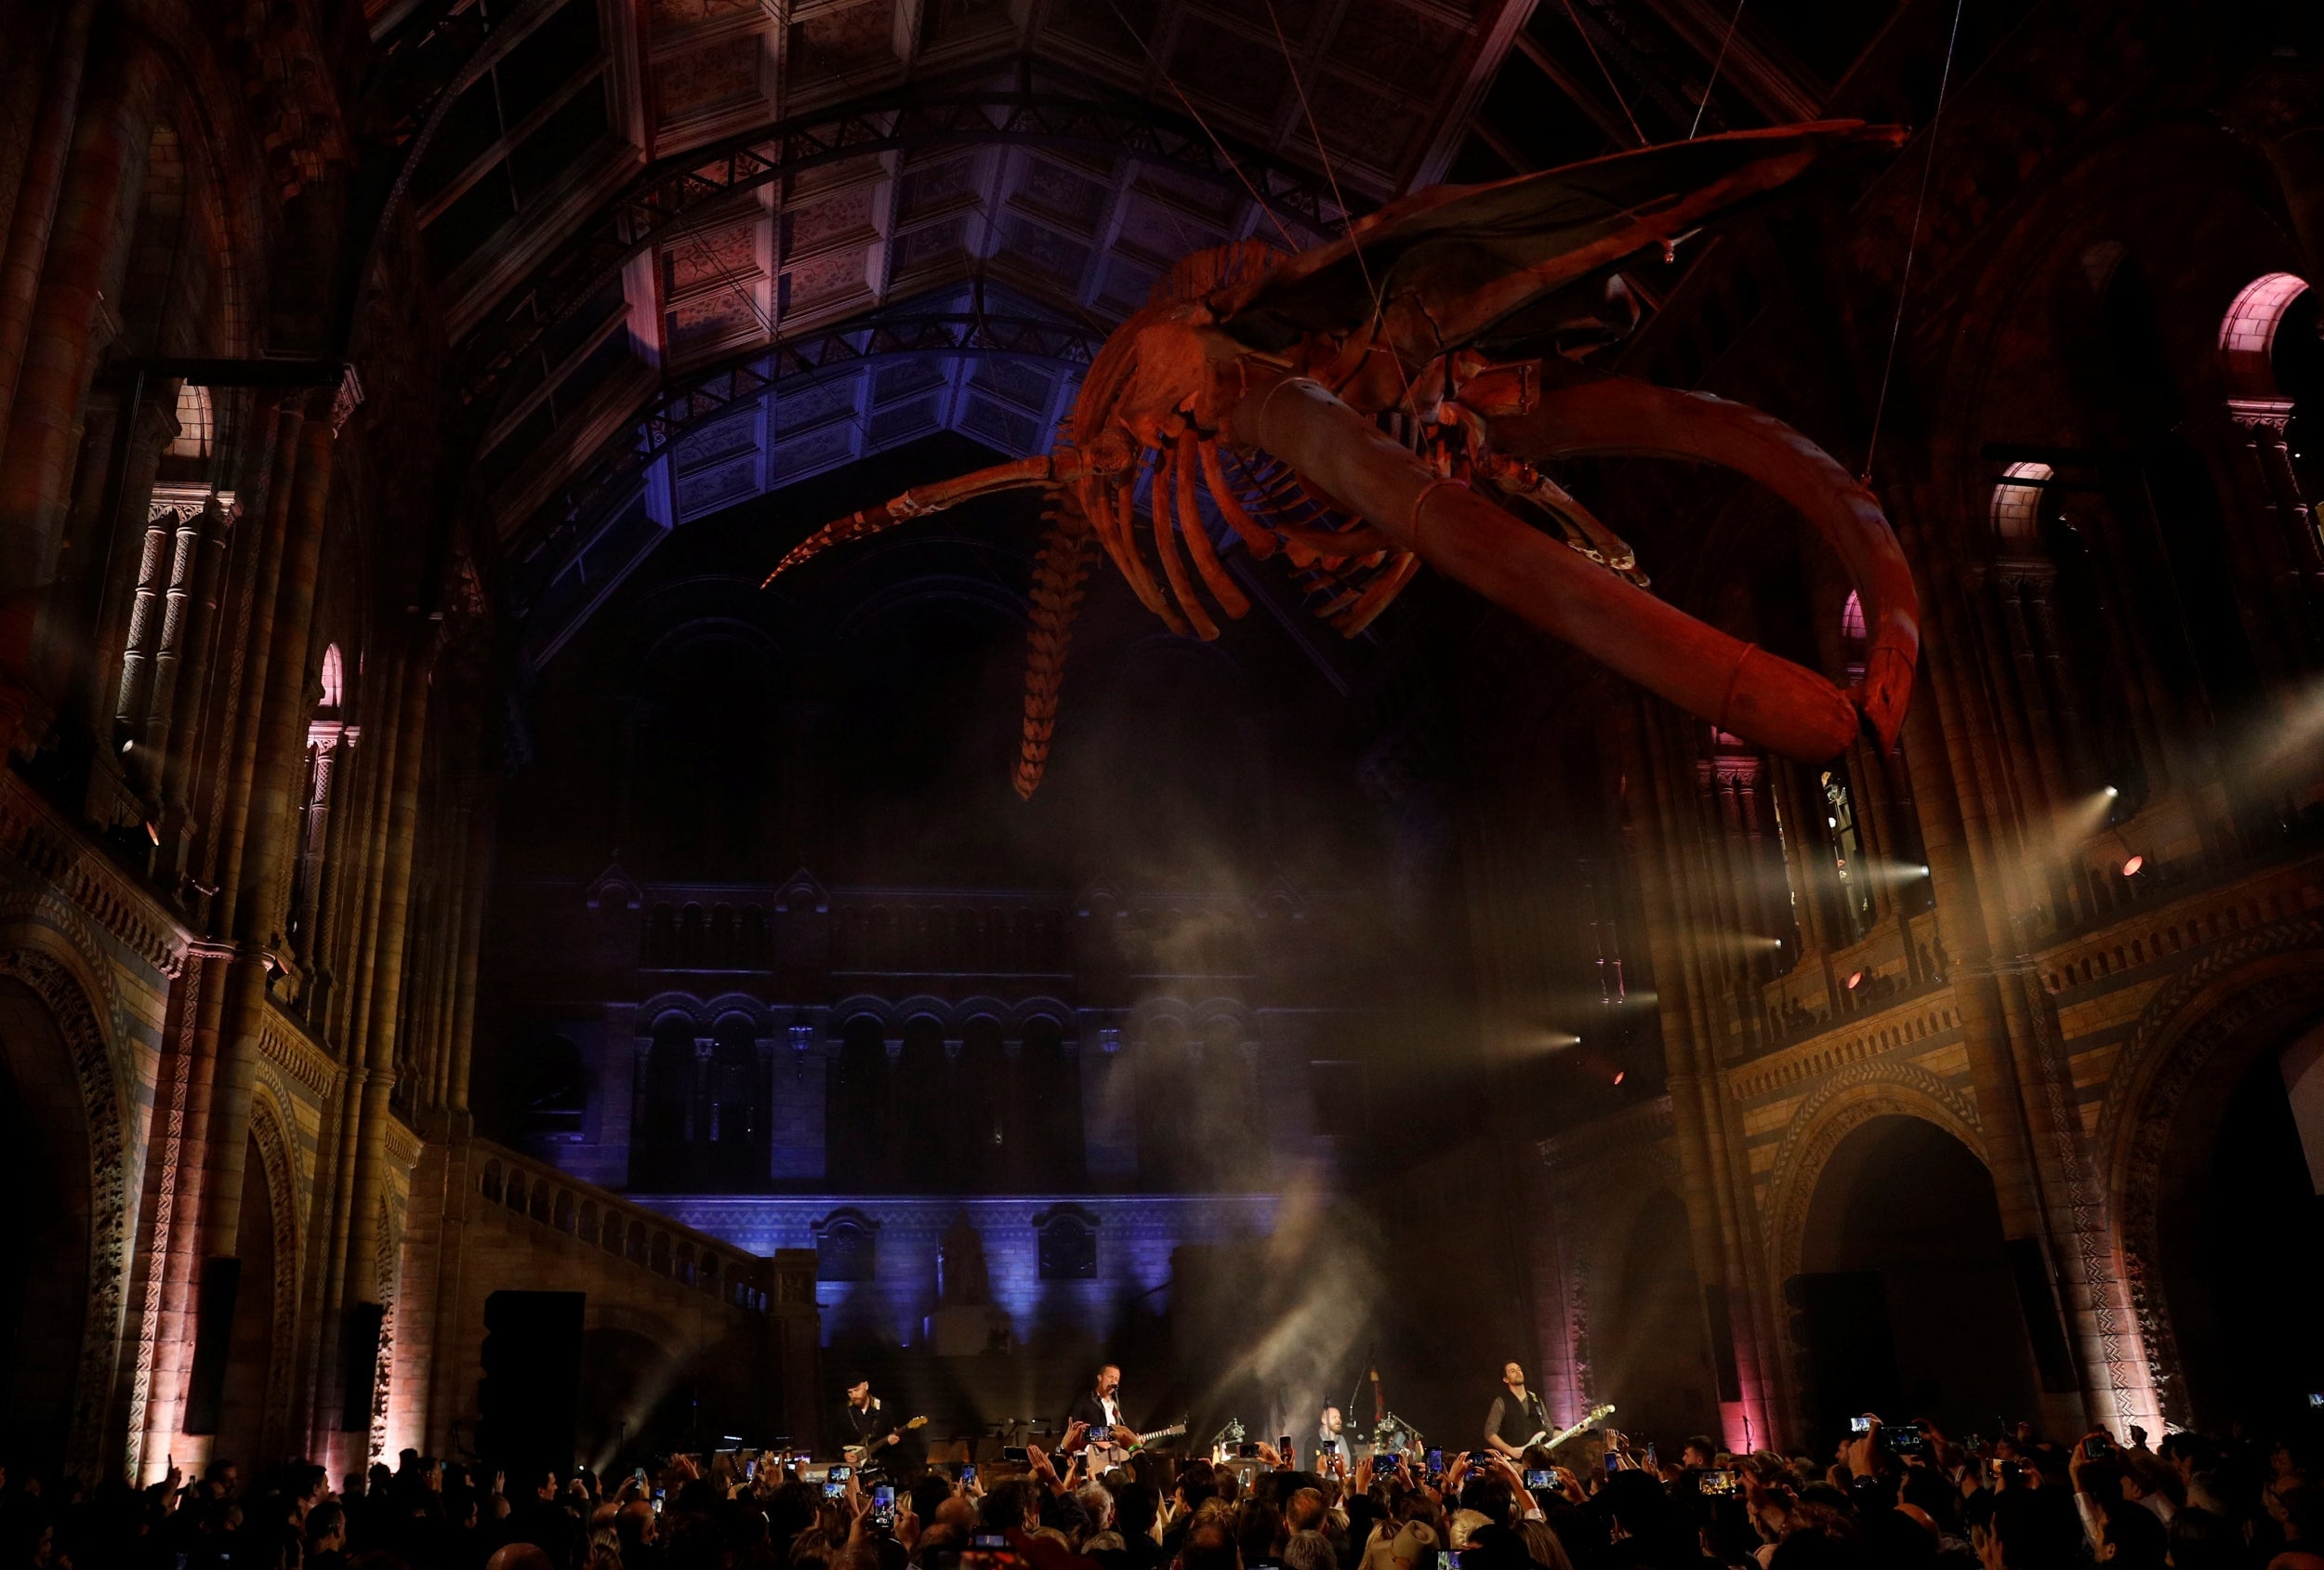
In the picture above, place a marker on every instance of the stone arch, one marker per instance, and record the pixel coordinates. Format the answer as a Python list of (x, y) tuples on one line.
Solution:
[(1843, 1103), (2193, 1042), (977, 593), (1044, 1007), (2247, 334), (57, 984)]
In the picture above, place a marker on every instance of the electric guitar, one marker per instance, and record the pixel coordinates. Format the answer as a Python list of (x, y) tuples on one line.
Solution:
[(1545, 1440), (1105, 1453), (859, 1454)]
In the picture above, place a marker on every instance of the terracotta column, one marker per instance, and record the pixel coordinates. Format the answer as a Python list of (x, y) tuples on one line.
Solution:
[(248, 678), (1682, 977), (275, 753), (386, 992), (1997, 1073), (37, 462), (456, 1093), (381, 703), (272, 826)]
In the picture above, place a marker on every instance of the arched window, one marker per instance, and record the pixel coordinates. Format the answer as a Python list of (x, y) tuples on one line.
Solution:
[(2271, 345), (333, 681), (2248, 333), (1051, 1077), (854, 1129), (738, 1106), (2018, 508), (666, 1110), (197, 426), (555, 1092)]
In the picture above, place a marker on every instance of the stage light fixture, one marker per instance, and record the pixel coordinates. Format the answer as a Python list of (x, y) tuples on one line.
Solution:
[(2129, 868), (1620, 1074), (1853, 977), (2114, 790)]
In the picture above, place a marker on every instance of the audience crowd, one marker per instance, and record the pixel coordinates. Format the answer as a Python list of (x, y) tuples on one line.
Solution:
[(1908, 1499)]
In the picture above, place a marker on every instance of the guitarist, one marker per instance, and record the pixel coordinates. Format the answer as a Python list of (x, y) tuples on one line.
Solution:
[(864, 1421), (1516, 1417), (1099, 1412)]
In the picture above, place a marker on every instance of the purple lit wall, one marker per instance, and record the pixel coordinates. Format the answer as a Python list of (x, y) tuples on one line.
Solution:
[(1134, 1234)]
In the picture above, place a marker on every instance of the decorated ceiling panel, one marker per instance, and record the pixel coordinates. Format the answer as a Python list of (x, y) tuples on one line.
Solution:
[(696, 250)]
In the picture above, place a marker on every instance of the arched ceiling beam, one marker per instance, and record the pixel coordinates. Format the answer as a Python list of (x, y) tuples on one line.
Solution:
[(589, 505), (680, 192), (702, 397)]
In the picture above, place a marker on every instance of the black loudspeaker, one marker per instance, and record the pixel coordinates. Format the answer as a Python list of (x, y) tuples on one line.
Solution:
[(528, 1405), (213, 1341), (359, 1365), (1847, 1357)]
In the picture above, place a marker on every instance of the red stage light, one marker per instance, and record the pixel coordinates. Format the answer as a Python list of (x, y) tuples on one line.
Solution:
[(2129, 868)]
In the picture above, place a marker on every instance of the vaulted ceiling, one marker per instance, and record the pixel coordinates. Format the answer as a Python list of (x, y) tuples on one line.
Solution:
[(693, 250)]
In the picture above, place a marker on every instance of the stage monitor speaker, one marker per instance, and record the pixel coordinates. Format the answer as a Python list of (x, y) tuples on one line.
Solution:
[(359, 1365), (529, 1403), (213, 1338)]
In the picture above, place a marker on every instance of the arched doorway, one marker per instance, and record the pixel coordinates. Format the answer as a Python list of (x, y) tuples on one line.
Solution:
[(2239, 1227), (1654, 1360), (43, 1240), (1905, 1304), (250, 1357)]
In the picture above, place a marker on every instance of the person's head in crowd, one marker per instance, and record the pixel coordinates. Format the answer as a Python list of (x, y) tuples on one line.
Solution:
[(1902, 1537), (519, 1556), (1494, 1547), (1304, 1512), (2027, 1530), (220, 1478), (1194, 1485), (1310, 1550), (1258, 1530), (633, 1524), (2296, 1508), (1097, 1506), (1493, 1499), (1210, 1546), (1699, 1452), (2133, 1539), (326, 1529), (928, 1496), (1813, 1550), (1136, 1507), (1637, 1505)]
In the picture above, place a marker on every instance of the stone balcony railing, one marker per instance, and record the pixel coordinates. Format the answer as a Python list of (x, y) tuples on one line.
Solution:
[(688, 1259)]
